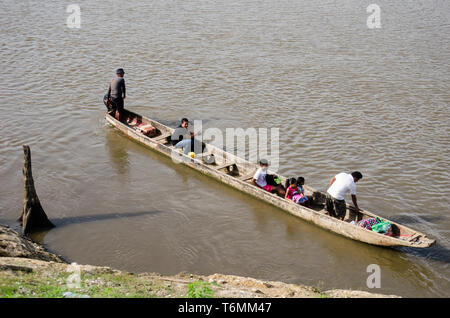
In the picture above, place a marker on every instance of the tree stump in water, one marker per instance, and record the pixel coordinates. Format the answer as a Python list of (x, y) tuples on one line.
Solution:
[(33, 216)]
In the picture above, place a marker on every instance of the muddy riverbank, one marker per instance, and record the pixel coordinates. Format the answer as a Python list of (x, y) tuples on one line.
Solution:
[(28, 270)]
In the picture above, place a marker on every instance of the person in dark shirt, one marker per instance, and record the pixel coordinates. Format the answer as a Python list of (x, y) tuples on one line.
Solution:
[(117, 92), (183, 138)]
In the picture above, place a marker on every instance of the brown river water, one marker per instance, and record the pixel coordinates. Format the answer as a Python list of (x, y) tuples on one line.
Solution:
[(345, 97)]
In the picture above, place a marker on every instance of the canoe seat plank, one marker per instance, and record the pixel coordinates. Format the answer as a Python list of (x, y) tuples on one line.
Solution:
[(201, 155), (414, 237), (226, 165), (162, 137), (246, 176)]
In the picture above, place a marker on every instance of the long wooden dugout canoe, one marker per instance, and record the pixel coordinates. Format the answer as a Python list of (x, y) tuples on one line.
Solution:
[(238, 172)]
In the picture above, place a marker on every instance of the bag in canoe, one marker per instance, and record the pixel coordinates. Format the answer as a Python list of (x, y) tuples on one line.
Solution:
[(381, 227), (273, 180)]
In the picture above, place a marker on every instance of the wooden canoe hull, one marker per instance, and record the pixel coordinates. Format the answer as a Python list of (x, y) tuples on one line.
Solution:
[(317, 217)]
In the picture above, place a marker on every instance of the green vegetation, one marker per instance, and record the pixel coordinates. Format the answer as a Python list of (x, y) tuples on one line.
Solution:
[(54, 280), (20, 285), (200, 289), (26, 285), (318, 289)]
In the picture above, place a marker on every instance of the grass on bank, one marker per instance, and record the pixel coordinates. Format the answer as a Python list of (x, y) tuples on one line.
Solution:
[(200, 289), (20, 284), (30, 285)]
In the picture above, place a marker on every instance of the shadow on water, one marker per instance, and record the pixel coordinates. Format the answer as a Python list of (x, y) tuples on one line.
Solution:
[(436, 253), (66, 221)]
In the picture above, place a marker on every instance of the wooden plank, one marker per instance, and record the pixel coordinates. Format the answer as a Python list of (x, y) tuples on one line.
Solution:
[(247, 176), (162, 137), (226, 165), (415, 237), (201, 155)]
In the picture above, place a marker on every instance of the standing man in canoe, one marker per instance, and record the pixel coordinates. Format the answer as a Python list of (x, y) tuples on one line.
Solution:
[(117, 93), (341, 184)]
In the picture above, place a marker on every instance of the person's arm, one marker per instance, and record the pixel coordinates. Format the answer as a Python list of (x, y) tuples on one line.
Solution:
[(109, 91), (124, 89), (355, 203), (302, 192), (197, 134), (255, 177), (254, 182), (286, 195), (188, 135), (332, 181), (353, 193)]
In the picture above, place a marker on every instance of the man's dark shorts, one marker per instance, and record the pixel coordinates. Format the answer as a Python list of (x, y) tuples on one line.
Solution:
[(337, 208), (117, 104)]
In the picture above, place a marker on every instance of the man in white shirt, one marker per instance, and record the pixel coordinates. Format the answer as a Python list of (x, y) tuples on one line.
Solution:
[(340, 185), (259, 180)]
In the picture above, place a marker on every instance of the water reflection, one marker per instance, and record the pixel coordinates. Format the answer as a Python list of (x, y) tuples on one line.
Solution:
[(117, 151)]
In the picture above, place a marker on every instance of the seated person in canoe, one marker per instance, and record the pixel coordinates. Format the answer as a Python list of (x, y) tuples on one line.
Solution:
[(259, 180), (295, 191), (183, 138), (300, 184)]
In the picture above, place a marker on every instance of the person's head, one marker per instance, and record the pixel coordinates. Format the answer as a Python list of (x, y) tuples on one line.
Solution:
[(290, 182), (120, 72), (357, 176), (184, 123), (264, 164), (300, 181), (393, 231)]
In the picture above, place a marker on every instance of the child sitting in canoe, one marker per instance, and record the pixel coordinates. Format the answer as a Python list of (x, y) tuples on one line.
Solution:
[(300, 184), (294, 192), (259, 180)]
